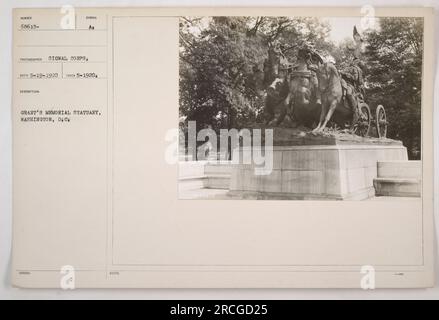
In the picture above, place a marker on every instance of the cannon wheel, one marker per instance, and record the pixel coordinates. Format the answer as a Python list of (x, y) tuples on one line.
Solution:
[(381, 122), (363, 124)]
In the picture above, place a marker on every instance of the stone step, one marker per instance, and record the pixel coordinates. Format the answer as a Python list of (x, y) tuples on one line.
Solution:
[(215, 194), (192, 183), (188, 169), (397, 187), (218, 168), (218, 181), (399, 169)]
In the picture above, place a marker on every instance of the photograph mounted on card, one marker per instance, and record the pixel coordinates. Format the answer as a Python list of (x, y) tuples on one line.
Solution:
[(133, 126)]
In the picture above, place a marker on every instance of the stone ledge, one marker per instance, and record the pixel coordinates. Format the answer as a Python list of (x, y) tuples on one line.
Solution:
[(304, 137), (397, 187)]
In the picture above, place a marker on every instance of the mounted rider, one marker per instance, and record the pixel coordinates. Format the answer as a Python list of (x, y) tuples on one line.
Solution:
[(312, 59), (359, 65), (284, 65), (352, 75), (352, 83), (275, 64), (271, 64)]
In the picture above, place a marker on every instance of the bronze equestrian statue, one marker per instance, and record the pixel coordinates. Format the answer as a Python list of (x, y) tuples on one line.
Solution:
[(290, 86), (313, 91)]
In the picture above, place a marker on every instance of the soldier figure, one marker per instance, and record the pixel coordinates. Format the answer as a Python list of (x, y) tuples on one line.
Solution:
[(312, 59), (273, 61), (359, 65), (352, 82), (352, 76), (313, 68)]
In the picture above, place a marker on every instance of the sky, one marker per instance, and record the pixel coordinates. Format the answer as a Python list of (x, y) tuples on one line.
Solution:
[(342, 27)]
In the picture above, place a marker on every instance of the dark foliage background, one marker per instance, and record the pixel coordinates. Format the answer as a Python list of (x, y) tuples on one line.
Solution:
[(221, 63)]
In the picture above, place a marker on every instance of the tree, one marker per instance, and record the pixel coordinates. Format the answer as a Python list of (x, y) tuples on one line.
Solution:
[(394, 75), (220, 57)]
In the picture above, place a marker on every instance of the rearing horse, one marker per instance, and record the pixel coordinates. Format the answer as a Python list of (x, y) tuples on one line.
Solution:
[(332, 93), (333, 105), (292, 94)]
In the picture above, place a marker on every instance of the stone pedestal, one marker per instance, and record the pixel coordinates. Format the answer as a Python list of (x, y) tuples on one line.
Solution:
[(339, 169)]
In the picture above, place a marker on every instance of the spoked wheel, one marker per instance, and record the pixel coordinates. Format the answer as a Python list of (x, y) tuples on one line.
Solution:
[(381, 122), (363, 123)]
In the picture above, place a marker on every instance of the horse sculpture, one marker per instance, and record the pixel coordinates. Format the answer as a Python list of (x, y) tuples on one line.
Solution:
[(336, 108), (294, 94), (345, 108), (275, 102), (302, 97), (332, 93), (291, 92), (276, 84)]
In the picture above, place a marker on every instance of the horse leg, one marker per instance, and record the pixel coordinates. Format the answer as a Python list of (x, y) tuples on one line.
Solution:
[(288, 105), (322, 117), (269, 112), (283, 112), (290, 110), (269, 117), (287, 100), (284, 108), (328, 117)]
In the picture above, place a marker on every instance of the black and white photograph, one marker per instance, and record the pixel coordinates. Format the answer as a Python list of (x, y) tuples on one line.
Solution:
[(300, 108), (142, 140)]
